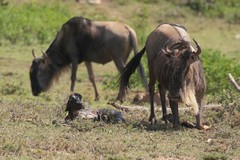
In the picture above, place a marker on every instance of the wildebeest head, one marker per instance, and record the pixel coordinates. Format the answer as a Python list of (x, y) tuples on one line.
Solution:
[(41, 74), (181, 56)]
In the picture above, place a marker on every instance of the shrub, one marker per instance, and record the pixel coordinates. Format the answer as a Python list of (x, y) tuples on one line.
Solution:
[(217, 67)]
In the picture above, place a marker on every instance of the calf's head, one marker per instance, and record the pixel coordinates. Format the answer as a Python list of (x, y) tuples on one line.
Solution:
[(181, 56), (74, 104), (41, 74)]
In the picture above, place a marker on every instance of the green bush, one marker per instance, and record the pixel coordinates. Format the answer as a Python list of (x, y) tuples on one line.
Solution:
[(216, 68), (31, 23)]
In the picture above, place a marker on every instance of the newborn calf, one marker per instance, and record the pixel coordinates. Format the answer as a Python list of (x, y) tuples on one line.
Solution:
[(76, 108)]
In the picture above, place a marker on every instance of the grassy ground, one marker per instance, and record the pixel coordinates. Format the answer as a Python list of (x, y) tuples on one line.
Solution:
[(32, 128)]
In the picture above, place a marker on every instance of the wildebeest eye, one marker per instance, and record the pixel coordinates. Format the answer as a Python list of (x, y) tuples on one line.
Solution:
[(193, 57), (186, 55)]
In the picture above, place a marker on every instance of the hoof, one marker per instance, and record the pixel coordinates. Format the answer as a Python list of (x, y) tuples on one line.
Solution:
[(152, 121), (203, 127), (168, 118), (120, 100), (189, 124)]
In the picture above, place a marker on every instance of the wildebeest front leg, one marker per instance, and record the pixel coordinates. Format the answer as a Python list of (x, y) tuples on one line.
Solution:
[(92, 79), (174, 108), (199, 115), (162, 93)]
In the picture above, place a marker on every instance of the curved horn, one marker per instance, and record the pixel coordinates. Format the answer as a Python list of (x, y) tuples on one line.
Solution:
[(182, 44), (33, 54), (199, 50), (176, 46), (44, 53), (166, 49)]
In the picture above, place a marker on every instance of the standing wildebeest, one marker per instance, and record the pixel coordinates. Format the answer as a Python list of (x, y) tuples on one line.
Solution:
[(79, 40), (174, 62)]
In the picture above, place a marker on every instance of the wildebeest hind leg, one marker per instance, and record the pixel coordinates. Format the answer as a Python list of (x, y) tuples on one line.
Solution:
[(152, 118), (92, 79)]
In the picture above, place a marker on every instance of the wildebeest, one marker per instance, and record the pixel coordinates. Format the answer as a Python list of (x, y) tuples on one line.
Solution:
[(173, 61), (82, 40)]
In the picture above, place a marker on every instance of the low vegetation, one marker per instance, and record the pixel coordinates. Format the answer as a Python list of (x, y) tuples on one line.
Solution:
[(33, 128), (32, 19), (227, 10)]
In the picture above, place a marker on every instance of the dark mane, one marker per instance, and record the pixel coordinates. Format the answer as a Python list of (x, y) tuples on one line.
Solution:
[(58, 55), (56, 51)]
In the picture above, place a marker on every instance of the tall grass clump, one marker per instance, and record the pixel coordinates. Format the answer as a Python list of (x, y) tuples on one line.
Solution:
[(31, 23)]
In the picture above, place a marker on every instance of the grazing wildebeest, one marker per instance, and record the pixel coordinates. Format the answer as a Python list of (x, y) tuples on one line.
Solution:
[(173, 61), (82, 40)]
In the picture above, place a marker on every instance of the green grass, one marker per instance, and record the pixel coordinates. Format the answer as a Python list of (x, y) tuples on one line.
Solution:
[(31, 23), (32, 128)]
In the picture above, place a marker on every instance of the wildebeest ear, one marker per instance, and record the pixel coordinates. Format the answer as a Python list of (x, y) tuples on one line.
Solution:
[(85, 21)]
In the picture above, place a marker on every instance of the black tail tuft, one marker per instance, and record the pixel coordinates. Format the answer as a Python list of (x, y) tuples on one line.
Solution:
[(128, 70)]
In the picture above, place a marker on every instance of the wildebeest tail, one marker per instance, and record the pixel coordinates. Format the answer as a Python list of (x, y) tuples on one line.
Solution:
[(133, 38), (128, 70), (134, 43)]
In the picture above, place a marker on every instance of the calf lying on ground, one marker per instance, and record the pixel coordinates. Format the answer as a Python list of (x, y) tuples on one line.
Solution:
[(76, 108)]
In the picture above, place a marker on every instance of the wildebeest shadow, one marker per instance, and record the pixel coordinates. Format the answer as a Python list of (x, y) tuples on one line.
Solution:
[(162, 126), (159, 126)]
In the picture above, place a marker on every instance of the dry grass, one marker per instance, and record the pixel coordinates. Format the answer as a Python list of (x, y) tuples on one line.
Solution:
[(32, 128)]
